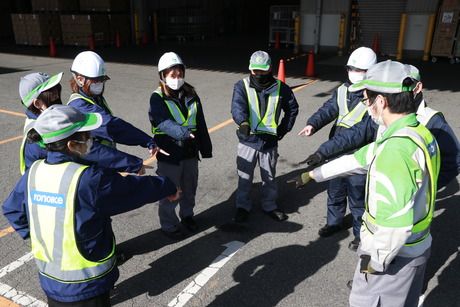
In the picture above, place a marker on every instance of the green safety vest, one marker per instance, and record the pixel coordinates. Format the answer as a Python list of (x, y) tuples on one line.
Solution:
[(29, 123), (348, 118), (176, 113), (76, 96), (425, 141), (269, 123), (51, 205)]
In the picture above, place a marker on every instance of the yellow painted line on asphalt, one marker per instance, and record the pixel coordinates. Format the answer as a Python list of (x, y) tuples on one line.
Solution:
[(6, 231), (11, 139), (150, 161), (7, 303), (12, 113)]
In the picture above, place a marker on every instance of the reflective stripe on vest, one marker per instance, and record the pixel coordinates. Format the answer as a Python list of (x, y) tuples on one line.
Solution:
[(102, 141), (426, 114), (76, 96), (176, 113), (269, 123), (29, 123), (427, 143), (51, 203), (346, 118)]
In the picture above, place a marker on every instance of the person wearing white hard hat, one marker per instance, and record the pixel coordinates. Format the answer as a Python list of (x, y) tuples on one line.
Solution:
[(345, 110), (87, 85), (265, 110), (65, 207), (179, 126), (38, 91)]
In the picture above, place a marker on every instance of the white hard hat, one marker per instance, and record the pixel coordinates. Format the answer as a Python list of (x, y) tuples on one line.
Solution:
[(362, 58), (169, 59), (89, 64)]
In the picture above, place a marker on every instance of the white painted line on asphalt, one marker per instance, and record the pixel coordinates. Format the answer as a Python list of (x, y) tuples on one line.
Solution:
[(205, 275), (16, 264), (11, 293), (20, 297)]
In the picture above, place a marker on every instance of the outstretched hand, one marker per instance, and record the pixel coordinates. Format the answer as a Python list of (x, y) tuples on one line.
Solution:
[(300, 180)]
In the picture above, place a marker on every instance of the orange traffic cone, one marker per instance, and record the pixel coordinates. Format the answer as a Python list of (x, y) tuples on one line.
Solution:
[(117, 40), (310, 69), (91, 42), (145, 39), (376, 44), (52, 47), (277, 40), (281, 72)]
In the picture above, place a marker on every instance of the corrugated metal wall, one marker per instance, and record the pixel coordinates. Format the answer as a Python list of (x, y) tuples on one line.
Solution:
[(422, 6), (383, 18)]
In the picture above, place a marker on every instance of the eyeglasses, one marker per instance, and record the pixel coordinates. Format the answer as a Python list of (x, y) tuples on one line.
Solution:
[(367, 102)]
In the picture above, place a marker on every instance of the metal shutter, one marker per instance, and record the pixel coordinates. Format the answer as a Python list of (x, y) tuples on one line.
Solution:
[(381, 17)]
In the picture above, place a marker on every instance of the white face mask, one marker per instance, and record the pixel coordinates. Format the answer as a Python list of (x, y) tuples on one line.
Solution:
[(356, 76), (378, 119), (89, 145), (96, 88), (174, 84)]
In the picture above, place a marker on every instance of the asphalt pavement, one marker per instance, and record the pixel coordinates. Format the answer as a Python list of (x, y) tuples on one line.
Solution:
[(276, 264)]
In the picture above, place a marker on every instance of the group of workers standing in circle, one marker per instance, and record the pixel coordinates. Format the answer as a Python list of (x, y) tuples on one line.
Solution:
[(394, 153)]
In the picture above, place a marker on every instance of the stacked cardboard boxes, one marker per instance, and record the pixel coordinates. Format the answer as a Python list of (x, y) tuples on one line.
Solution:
[(36, 29), (77, 29), (446, 29), (55, 5), (104, 5)]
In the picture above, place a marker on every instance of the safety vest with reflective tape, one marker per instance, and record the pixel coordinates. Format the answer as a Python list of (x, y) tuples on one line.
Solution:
[(29, 123), (269, 123), (423, 215), (348, 118), (51, 206), (76, 96), (176, 113)]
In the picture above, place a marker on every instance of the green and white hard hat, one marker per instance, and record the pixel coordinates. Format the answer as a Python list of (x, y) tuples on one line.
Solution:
[(260, 60), (32, 85), (58, 122), (385, 77)]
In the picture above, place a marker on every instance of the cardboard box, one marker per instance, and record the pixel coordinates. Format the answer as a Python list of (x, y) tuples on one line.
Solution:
[(104, 5), (446, 29), (55, 5), (19, 29), (77, 29)]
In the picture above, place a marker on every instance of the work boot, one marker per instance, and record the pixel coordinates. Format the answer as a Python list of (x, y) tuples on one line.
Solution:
[(277, 215), (175, 235), (189, 223), (241, 215), (329, 230), (353, 245)]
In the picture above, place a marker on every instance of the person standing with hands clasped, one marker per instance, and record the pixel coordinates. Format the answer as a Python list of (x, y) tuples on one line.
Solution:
[(179, 126), (65, 206), (346, 109), (403, 166), (256, 107)]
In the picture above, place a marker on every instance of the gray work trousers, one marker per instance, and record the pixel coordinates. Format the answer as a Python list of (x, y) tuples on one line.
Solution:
[(399, 286), (246, 162), (185, 176)]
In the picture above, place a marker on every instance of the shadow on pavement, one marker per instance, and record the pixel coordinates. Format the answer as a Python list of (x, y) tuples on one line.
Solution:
[(188, 260), (446, 238)]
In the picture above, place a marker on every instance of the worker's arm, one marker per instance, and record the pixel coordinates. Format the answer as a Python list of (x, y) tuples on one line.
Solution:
[(290, 108), (326, 114), (15, 208)]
